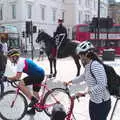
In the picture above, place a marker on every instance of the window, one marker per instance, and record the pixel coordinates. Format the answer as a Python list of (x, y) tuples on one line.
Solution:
[(63, 14), (54, 15), (83, 28), (29, 11), (79, 1), (1, 12), (42, 12), (79, 17), (13, 11)]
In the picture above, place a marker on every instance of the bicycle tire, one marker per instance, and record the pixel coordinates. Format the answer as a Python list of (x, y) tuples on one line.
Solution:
[(59, 94), (1, 89), (18, 111)]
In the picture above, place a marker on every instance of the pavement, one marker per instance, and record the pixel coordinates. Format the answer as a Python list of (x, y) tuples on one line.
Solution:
[(66, 70)]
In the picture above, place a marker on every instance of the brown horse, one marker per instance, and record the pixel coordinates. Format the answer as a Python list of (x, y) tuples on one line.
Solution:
[(68, 50)]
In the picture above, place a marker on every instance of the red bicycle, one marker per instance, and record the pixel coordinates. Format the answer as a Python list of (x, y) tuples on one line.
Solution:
[(13, 103)]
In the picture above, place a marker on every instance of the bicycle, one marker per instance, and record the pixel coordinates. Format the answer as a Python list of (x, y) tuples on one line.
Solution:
[(13, 102)]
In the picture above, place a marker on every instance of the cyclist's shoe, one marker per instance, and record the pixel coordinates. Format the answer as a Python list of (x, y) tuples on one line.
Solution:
[(33, 102), (31, 111)]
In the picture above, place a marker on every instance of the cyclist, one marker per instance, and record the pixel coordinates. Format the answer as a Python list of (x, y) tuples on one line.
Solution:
[(100, 102), (35, 76)]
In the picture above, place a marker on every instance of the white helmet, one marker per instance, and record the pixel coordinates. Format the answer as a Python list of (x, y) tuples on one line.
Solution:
[(84, 47)]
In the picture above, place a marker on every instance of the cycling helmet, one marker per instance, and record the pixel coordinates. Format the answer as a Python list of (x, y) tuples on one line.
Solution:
[(13, 52), (84, 47)]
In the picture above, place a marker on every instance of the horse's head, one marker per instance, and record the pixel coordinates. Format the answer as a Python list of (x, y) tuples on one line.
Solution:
[(41, 36)]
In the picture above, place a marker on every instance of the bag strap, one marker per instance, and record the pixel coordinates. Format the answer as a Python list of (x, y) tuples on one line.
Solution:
[(91, 71)]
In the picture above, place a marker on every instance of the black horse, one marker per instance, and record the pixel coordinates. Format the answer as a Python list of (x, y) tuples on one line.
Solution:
[(69, 49)]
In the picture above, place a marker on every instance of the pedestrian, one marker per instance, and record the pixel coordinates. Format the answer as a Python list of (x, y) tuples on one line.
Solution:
[(4, 44), (58, 112), (35, 75), (3, 61), (100, 101), (41, 54)]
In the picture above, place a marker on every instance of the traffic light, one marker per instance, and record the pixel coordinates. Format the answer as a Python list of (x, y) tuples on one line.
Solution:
[(28, 27), (23, 34), (34, 29)]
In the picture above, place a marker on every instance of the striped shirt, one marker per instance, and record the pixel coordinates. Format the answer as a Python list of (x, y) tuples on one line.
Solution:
[(96, 86)]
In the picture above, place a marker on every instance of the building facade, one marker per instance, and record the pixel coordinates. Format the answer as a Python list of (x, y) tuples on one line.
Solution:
[(45, 13), (114, 11)]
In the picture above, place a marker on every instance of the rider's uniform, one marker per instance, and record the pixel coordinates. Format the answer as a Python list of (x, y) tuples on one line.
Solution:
[(35, 73), (60, 39)]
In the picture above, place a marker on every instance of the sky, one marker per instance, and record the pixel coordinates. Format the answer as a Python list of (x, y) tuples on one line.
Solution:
[(117, 0)]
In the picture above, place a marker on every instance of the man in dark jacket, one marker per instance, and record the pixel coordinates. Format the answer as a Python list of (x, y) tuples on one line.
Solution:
[(60, 36), (61, 33), (3, 61)]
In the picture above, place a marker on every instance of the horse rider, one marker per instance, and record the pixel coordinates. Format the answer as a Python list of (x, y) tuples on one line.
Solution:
[(60, 35)]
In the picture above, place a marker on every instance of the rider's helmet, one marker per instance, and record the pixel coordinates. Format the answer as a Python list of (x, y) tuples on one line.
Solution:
[(85, 47), (13, 54)]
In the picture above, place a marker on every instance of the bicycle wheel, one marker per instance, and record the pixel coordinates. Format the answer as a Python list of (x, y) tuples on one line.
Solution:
[(1, 88), (60, 95), (17, 112)]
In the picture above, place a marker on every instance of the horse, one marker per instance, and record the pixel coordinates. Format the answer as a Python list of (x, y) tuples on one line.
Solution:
[(69, 49)]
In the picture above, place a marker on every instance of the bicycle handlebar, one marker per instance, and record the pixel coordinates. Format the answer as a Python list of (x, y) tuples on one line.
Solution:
[(76, 96), (13, 83)]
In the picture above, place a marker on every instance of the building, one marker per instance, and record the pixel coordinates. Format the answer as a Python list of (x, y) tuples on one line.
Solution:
[(44, 13), (114, 11)]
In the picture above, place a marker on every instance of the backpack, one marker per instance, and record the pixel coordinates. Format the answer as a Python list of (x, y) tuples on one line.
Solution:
[(113, 80), (58, 112)]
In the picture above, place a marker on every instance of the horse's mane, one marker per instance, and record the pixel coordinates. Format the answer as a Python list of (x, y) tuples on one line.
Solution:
[(48, 36)]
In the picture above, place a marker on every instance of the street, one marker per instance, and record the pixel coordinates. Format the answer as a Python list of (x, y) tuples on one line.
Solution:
[(66, 70)]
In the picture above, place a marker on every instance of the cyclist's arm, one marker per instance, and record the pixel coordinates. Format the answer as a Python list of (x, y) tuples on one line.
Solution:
[(16, 77)]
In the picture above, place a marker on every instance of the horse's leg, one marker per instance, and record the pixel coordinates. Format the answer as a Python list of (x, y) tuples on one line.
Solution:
[(51, 71), (55, 71), (76, 59)]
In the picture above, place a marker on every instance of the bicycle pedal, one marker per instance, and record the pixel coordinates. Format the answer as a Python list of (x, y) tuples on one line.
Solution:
[(38, 109)]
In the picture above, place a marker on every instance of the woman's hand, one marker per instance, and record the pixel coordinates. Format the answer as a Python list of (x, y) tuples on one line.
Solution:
[(67, 83), (79, 94)]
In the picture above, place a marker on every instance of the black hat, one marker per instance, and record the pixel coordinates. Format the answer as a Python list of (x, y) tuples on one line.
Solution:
[(60, 20)]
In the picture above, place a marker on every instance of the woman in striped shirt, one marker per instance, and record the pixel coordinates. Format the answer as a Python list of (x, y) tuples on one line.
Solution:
[(100, 102)]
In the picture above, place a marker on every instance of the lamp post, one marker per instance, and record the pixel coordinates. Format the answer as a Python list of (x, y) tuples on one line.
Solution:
[(98, 25)]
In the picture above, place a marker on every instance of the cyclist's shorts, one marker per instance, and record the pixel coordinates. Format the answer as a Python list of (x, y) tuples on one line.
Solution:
[(35, 81)]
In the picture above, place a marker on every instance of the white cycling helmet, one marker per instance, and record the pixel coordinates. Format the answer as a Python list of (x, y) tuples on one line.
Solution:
[(84, 47)]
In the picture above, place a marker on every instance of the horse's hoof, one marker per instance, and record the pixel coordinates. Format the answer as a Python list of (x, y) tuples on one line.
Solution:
[(77, 75), (54, 75), (50, 76)]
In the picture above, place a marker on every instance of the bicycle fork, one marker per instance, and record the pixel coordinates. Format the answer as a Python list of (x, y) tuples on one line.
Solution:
[(71, 111), (17, 92)]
